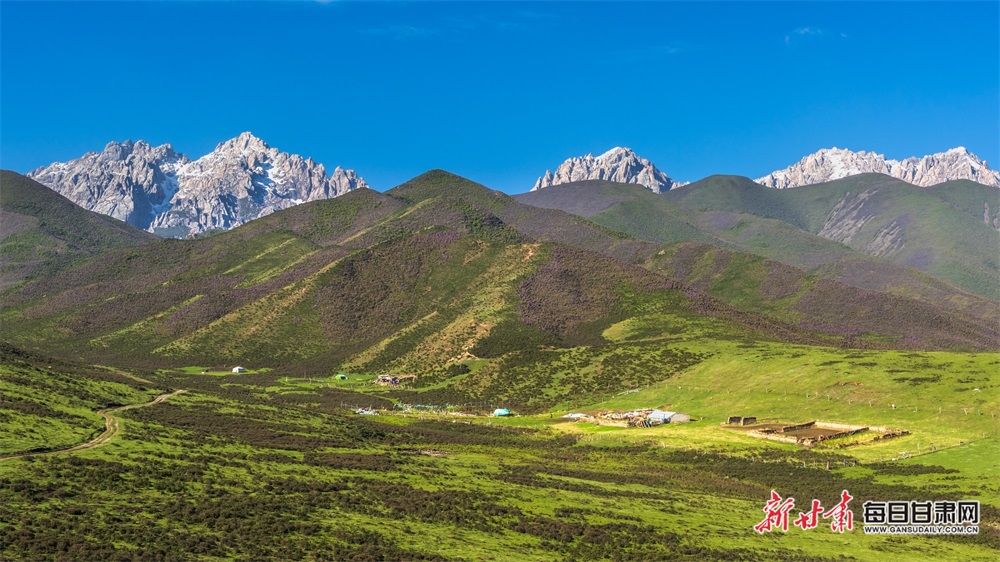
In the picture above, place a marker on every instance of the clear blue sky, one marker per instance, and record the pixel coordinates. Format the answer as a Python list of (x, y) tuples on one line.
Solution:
[(500, 92)]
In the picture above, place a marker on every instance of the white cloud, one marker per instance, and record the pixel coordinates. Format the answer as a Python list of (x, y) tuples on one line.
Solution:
[(808, 31)]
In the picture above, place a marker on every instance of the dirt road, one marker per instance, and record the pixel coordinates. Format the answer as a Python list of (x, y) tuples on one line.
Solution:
[(111, 427)]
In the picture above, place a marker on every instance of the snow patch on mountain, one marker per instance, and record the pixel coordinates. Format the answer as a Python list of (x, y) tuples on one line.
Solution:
[(157, 189), (835, 163), (619, 164)]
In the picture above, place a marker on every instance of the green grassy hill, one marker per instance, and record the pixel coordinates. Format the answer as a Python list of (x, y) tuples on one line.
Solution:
[(815, 302), (462, 285), (625, 207), (42, 232), (978, 201), (645, 215), (940, 230)]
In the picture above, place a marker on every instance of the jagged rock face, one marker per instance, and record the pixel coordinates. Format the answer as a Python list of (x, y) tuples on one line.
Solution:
[(848, 217), (129, 181), (618, 165), (832, 164), (993, 220), (157, 189)]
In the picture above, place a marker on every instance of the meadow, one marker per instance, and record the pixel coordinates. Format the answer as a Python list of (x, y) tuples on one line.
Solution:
[(265, 465)]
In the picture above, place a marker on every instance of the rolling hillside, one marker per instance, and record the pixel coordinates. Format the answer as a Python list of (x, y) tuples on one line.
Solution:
[(947, 230), (437, 278), (441, 277), (42, 232), (647, 216)]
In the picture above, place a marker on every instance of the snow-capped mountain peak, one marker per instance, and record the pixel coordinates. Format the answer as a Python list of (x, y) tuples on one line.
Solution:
[(160, 190), (246, 142), (835, 163), (615, 152), (618, 164)]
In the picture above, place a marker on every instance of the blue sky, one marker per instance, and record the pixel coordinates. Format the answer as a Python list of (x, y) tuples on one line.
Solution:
[(500, 92)]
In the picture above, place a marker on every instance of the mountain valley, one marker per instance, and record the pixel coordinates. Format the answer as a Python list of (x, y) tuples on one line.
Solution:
[(718, 298)]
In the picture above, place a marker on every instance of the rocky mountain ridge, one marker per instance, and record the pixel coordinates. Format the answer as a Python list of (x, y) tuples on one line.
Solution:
[(619, 164), (165, 192), (835, 163)]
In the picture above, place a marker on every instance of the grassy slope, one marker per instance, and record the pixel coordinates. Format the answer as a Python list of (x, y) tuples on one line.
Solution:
[(971, 198), (549, 225), (628, 208), (264, 466), (939, 230), (42, 232), (480, 211), (414, 279), (740, 194), (645, 215), (941, 234), (929, 393), (49, 404), (813, 302)]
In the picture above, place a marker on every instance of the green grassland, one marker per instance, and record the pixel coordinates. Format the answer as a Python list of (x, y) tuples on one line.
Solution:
[(44, 407), (931, 394), (260, 465)]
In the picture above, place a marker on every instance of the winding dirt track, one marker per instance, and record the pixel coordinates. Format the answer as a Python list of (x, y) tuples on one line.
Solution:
[(111, 428)]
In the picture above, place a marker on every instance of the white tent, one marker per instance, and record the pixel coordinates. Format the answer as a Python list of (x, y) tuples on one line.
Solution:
[(660, 415), (668, 417)]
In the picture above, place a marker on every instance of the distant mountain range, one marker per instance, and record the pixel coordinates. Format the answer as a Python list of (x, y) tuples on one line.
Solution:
[(164, 192), (623, 165), (836, 163), (441, 269)]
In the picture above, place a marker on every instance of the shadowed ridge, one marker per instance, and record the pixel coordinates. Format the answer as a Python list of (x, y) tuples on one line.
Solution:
[(949, 231), (647, 216), (42, 232), (22, 195)]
